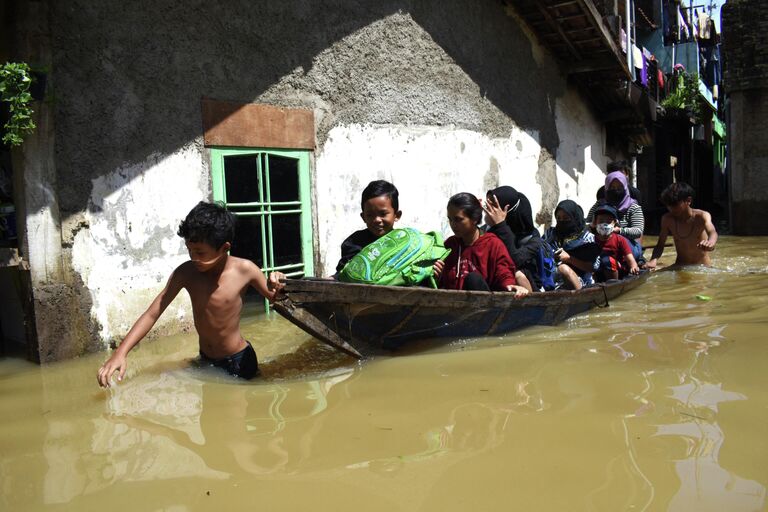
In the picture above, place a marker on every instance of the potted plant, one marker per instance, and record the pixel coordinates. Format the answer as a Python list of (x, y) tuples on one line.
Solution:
[(15, 81), (683, 101)]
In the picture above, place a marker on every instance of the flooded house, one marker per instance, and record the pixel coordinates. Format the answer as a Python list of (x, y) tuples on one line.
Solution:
[(284, 111)]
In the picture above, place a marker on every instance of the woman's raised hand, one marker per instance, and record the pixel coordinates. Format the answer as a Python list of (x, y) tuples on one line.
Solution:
[(495, 214)]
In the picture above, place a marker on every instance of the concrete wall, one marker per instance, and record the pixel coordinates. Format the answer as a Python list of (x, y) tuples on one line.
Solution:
[(437, 100), (748, 153), (745, 80)]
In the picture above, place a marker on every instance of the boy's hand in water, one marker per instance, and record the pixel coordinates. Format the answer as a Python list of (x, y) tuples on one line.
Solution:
[(437, 268), (706, 245), (113, 364)]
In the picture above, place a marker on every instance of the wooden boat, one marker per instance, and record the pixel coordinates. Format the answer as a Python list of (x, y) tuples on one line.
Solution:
[(363, 320)]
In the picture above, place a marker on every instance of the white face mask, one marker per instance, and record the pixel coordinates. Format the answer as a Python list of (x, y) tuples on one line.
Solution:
[(604, 229)]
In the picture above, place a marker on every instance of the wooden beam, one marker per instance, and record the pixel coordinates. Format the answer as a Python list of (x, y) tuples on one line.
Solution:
[(597, 21), (304, 319), (590, 65), (228, 123), (554, 24), (562, 4)]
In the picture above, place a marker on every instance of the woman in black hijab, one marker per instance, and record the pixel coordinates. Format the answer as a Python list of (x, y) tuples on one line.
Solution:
[(575, 245), (508, 215), (569, 227)]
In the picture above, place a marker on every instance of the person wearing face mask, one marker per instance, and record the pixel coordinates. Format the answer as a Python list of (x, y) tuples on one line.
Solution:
[(574, 246), (616, 259), (624, 167), (631, 221)]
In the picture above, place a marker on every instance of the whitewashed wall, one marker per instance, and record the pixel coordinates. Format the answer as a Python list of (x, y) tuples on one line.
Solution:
[(131, 248), (429, 164), (580, 157)]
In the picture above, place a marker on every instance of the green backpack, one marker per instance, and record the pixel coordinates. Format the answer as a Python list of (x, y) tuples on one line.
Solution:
[(402, 257)]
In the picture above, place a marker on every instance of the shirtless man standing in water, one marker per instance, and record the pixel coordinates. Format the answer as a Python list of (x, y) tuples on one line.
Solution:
[(694, 234)]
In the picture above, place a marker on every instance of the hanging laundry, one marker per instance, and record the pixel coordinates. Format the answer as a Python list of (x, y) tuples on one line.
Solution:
[(623, 40), (695, 25), (704, 29), (637, 57), (689, 21), (685, 33), (644, 71), (637, 60)]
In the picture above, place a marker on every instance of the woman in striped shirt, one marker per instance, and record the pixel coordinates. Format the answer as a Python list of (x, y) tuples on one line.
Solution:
[(631, 220)]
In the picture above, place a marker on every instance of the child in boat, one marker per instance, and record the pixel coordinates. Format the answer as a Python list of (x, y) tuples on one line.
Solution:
[(692, 230), (631, 221), (478, 261), (574, 244), (616, 259), (216, 283), (379, 210)]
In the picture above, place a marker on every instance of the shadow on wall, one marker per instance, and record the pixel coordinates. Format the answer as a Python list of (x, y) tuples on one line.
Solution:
[(129, 79)]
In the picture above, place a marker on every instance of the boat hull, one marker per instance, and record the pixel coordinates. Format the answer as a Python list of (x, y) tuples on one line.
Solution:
[(365, 320)]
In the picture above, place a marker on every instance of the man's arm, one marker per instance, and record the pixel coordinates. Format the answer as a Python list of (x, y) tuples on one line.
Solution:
[(140, 329), (268, 288), (709, 228), (659, 249)]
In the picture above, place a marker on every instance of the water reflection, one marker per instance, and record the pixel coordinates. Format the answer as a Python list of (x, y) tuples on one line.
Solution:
[(226, 429), (705, 485)]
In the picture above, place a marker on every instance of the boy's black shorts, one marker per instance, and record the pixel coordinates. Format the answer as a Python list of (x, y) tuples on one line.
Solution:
[(242, 364)]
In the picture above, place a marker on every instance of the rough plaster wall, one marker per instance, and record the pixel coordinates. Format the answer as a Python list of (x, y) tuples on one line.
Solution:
[(580, 157), (129, 78), (427, 164), (396, 77), (130, 247)]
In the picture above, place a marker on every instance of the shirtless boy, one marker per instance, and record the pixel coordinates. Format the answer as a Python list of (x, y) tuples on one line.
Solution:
[(694, 234), (216, 283)]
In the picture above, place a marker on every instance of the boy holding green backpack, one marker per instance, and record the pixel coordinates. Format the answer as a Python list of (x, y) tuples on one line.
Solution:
[(383, 255), (379, 210)]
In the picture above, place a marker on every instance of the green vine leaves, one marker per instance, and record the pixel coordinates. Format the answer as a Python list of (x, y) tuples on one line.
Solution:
[(15, 80)]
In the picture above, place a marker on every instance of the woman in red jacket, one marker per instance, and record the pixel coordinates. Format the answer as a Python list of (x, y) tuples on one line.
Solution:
[(478, 261)]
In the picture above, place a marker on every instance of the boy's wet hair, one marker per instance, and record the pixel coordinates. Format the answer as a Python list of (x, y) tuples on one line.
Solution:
[(210, 223), (381, 188), (676, 192), (468, 204)]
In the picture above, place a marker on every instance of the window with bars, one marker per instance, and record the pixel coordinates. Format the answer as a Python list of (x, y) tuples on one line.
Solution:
[(268, 191)]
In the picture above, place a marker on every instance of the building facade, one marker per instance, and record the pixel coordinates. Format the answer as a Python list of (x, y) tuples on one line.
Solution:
[(745, 48), (284, 111)]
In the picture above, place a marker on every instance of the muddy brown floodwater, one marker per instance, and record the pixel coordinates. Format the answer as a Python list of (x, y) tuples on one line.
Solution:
[(658, 402)]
